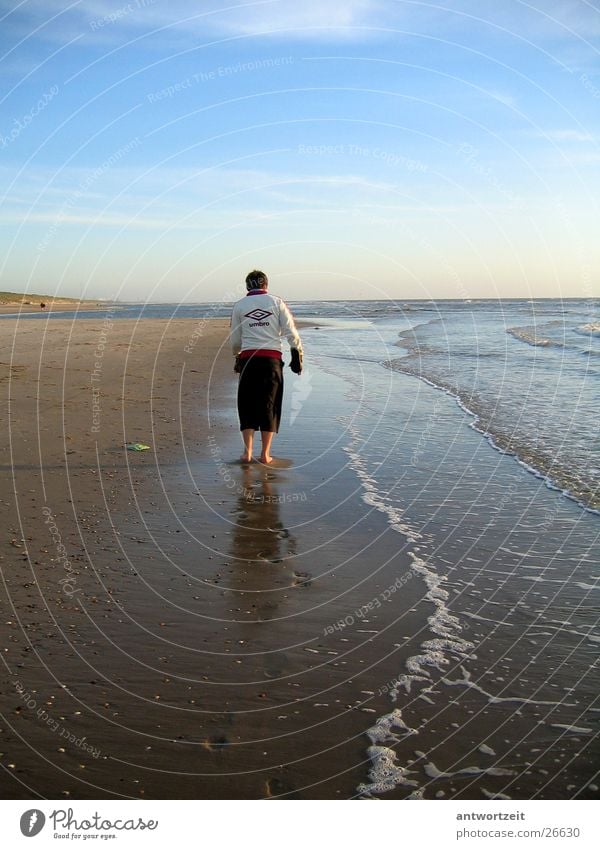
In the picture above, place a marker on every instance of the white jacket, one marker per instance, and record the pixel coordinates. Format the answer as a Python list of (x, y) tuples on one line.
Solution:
[(259, 321)]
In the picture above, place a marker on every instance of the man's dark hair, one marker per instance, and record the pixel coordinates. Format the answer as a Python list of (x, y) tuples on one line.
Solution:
[(257, 280)]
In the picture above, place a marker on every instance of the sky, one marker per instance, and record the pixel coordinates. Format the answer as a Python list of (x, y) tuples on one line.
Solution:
[(158, 150)]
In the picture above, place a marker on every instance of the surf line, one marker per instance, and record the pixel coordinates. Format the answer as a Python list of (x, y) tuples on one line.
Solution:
[(385, 773), (466, 681)]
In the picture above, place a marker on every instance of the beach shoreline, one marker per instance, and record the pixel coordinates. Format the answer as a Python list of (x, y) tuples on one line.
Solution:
[(183, 627), (51, 305)]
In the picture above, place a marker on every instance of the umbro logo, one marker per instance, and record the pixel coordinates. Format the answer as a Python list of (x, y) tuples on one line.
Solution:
[(258, 315)]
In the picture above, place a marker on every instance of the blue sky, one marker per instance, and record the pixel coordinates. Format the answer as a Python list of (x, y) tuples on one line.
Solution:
[(362, 149)]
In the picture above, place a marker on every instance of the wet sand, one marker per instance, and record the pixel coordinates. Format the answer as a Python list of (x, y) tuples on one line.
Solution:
[(168, 628), (179, 625)]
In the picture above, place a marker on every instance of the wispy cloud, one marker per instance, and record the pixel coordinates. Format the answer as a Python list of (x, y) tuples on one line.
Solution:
[(568, 135), (112, 21), (299, 18), (107, 20), (504, 97), (151, 198)]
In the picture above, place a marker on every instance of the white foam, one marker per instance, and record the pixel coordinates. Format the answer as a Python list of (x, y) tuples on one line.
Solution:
[(576, 729), (385, 774), (530, 336), (442, 622), (406, 681), (432, 771), (417, 794), (384, 730), (384, 769), (490, 795), (477, 425), (465, 681), (489, 770), (372, 497), (486, 750), (485, 619)]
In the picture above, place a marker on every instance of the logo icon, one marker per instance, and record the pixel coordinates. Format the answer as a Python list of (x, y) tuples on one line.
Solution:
[(258, 315), (32, 822)]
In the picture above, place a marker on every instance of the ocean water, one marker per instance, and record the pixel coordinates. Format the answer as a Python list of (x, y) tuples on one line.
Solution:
[(473, 429)]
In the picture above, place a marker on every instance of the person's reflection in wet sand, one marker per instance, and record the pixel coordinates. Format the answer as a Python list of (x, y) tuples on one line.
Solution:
[(262, 549)]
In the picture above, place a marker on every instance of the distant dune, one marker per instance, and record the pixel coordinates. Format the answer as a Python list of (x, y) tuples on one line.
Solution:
[(30, 300)]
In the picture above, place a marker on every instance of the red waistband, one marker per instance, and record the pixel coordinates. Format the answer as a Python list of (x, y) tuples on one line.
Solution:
[(260, 352)]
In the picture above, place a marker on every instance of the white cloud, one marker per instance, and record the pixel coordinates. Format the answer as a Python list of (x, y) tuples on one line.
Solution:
[(504, 97), (569, 136), (295, 18), (565, 135), (109, 21)]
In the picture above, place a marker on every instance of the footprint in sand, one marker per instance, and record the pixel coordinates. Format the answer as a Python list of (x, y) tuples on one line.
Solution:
[(302, 579), (275, 665)]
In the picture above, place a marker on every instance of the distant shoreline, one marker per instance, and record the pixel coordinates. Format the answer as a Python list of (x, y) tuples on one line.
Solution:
[(50, 306)]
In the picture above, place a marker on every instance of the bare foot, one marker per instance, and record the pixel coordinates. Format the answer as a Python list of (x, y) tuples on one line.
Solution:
[(266, 459), (245, 458)]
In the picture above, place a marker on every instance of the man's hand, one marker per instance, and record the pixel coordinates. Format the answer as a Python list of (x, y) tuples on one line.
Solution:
[(237, 365), (296, 364)]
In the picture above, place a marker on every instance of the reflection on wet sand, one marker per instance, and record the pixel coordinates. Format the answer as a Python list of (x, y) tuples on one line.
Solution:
[(262, 549)]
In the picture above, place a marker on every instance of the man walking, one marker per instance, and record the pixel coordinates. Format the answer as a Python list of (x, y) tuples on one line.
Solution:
[(258, 323)]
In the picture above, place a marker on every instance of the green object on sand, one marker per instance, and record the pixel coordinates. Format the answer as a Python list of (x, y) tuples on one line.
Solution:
[(137, 446)]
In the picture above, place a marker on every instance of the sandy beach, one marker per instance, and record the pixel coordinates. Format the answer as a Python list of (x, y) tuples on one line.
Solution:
[(161, 660), (11, 307), (179, 626)]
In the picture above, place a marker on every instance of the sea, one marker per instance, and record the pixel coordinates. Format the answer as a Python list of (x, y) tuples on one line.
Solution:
[(472, 428), (527, 371)]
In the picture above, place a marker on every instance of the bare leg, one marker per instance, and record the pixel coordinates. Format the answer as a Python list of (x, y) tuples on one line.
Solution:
[(267, 439), (247, 436)]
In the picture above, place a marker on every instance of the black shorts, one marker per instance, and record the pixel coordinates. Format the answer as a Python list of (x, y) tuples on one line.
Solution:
[(260, 393)]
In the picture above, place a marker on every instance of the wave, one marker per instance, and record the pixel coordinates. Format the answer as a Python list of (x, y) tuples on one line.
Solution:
[(530, 336), (540, 336), (385, 773), (592, 329), (538, 462)]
